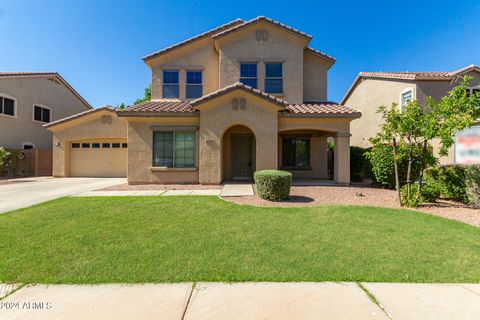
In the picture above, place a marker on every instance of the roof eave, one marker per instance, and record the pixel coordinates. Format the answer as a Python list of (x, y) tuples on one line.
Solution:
[(122, 113)]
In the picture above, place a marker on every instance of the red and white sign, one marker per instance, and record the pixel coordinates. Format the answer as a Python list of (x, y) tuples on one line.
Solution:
[(467, 146)]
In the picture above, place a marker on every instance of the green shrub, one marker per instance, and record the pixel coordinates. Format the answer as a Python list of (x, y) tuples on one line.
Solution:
[(358, 164), (382, 165), (430, 193), (472, 181), (273, 185), (4, 154), (413, 200), (450, 181)]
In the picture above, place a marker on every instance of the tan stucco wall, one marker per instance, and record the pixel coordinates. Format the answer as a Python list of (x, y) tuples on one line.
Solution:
[(87, 128), (367, 97), (27, 92), (217, 116), (140, 156), (315, 72), (200, 55), (371, 93), (242, 46)]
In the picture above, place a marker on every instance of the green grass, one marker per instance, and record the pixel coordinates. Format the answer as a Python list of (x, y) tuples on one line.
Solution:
[(174, 239)]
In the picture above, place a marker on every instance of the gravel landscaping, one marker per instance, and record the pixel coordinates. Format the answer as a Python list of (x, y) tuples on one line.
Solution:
[(301, 196)]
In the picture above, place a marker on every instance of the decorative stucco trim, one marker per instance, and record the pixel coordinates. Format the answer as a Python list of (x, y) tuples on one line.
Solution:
[(173, 128), (263, 19), (79, 115)]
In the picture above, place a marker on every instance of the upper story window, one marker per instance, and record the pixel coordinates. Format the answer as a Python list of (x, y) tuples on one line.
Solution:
[(473, 90), (7, 105), (248, 74), (273, 78), (42, 114), (170, 84), (405, 97), (194, 84)]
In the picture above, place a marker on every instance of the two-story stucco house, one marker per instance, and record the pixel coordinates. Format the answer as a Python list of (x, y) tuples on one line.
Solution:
[(371, 90), (242, 97), (28, 100)]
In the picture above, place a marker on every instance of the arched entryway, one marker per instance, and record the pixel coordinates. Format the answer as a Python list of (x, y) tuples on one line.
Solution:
[(238, 154)]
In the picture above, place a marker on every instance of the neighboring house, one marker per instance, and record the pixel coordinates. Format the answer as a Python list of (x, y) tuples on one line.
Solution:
[(28, 100), (242, 97), (371, 90)]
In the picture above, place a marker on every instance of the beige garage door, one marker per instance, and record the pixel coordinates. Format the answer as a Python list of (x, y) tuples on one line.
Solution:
[(98, 159)]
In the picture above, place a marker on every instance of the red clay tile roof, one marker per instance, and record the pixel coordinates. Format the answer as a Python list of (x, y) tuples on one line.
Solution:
[(321, 54), (197, 37), (159, 106), (262, 18), (429, 75), (238, 85), (51, 74), (328, 109)]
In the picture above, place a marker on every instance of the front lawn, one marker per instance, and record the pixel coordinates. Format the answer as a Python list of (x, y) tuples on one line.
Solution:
[(175, 239)]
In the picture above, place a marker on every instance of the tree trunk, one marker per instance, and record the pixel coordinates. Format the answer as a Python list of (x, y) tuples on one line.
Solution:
[(397, 178), (409, 171), (422, 167)]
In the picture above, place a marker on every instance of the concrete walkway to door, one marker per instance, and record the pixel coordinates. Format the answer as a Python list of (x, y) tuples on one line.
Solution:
[(21, 193)]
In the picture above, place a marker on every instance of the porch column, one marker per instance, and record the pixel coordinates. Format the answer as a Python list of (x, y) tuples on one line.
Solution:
[(341, 171)]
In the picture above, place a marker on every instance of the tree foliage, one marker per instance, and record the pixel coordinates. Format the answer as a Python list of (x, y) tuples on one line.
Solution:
[(418, 124)]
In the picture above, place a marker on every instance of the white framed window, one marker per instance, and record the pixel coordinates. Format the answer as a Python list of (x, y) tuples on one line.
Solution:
[(473, 90), (28, 145), (42, 113), (406, 96), (8, 105)]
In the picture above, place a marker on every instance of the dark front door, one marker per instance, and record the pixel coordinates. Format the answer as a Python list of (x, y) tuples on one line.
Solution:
[(241, 156)]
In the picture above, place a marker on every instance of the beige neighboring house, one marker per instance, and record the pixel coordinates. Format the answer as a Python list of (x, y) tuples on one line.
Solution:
[(373, 89), (28, 100), (242, 97)]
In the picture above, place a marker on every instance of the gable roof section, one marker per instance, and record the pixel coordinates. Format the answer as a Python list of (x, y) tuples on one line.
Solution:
[(195, 38), (78, 115), (54, 75), (413, 76), (320, 54), (238, 85), (260, 19)]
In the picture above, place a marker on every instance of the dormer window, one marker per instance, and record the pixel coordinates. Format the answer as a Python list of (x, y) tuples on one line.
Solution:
[(194, 84), (248, 74), (273, 78), (170, 84)]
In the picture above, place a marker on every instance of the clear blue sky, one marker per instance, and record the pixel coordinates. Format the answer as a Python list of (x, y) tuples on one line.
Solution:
[(97, 45)]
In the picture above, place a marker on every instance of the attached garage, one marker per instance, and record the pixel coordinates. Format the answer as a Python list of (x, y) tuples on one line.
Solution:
[(90, 144), (107, 158)]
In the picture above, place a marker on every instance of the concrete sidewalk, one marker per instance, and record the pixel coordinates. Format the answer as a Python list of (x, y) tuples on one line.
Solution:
[(278, 301)]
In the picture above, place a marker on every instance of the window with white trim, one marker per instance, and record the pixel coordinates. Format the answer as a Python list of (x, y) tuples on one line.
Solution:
[(174, 149), (194, 88), (42, 114), (405, 98), (473, 90), (7, 105)]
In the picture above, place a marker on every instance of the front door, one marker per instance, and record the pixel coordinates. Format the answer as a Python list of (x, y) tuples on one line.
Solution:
[(241, 156)]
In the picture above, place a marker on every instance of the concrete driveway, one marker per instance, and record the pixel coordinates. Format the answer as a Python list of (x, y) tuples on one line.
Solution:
[(23, 193)]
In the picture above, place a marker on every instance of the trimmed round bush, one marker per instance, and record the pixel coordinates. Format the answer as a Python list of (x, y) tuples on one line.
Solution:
[(273, 185)]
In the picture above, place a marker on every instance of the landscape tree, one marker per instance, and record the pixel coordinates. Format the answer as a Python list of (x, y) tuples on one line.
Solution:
[(414, 127)]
